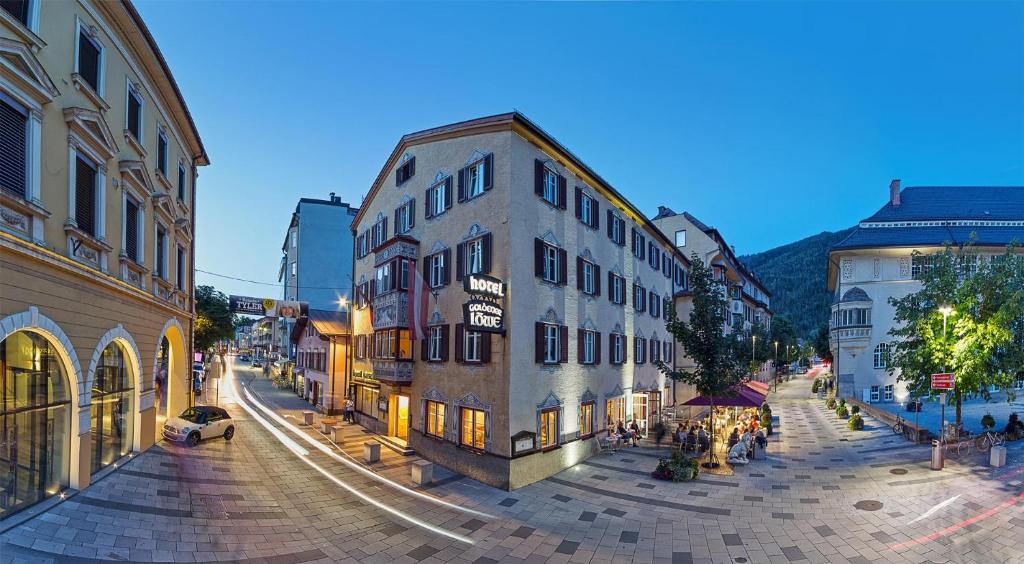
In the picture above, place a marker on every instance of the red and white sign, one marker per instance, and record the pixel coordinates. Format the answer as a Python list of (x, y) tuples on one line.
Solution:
[(942, 381)]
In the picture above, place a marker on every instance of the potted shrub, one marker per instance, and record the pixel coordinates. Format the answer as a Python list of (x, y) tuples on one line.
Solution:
[(766, 422), (842, 412), (815, 386), (830, 403), (856, 422), (855, 409), (987, 421)]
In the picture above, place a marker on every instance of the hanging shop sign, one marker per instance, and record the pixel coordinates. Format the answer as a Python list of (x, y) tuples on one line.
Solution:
[(268, 307), (485, 310)]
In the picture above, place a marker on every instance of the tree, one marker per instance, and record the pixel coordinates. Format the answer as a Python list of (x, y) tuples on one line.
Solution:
[(214, 321), (716, 371), (966, 319), (821, 345)]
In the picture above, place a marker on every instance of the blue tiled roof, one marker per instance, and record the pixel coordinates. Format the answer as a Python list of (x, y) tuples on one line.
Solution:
[(922, 203), (869, 237)]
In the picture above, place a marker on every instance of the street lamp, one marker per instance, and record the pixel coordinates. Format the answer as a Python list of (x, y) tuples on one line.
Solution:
[(753, 351), (776, 366), (946, 311)]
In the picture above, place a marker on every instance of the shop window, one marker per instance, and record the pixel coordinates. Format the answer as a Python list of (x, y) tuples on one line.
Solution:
[(111, 408), (549, 428), (435, 419), (472, 428)]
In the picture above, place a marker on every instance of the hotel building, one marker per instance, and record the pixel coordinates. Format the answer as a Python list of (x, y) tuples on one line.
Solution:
[(876, 263), (97, 209), (579, 272)]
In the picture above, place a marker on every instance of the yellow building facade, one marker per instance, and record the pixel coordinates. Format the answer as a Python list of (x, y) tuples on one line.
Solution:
[(98, 160)]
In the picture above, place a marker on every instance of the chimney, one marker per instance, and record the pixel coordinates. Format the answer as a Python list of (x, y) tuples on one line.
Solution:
[(332, 197), (894, 192)]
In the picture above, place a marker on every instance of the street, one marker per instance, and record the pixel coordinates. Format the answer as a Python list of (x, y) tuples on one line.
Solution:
[(281, 493)]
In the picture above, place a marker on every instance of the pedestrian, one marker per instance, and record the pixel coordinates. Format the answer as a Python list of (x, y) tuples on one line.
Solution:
[(659, 432), (350, 409)]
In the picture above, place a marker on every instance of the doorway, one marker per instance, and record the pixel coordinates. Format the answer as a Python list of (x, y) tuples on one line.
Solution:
[(399, 420)]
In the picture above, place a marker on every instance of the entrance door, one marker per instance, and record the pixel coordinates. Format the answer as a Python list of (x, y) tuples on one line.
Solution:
[(399, 407)]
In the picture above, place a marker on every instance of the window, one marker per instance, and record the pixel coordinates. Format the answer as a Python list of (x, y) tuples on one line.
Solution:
[(616, 229), (639, 297), (655, 308), (888, 392), (588, 346), (293, 269), (89, 61), (134, 114), (474, 256), (653, 256), (406, 171), (549, 428), (405, 217), (550, 187), (379, 233), (666, 355), (680, 277), (639, 245), (615, 410), (179, 268), (435, 419), (851, 316), (476, 178), (161, 153), (586, 419), (550, 264), (14, 153), (551, 345), (616, 289), (161, 252), (874, 393), (439, 198), (639, 350), (588, 277), (472, 347), (435, 347), (392, 275), (17, 8), (437, 269), (293, 236), (881, 356), (921, 264), (181, 183), (655, 350), (586, 209), (131, 230), (472, 432), (681, 238), (85, 195), (618, 348)]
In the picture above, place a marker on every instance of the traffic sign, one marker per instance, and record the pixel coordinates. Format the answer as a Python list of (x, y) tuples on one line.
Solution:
[(942, 381)]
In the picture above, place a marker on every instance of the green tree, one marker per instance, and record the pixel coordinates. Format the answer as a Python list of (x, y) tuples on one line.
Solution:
[(965, 319), (717, 370), (821, 343), (214, 321)]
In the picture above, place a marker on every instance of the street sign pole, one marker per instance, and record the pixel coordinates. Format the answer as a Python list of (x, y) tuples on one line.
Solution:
[(942, 418)]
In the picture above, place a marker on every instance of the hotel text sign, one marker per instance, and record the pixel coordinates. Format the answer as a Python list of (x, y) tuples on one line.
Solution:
[(484, 311)]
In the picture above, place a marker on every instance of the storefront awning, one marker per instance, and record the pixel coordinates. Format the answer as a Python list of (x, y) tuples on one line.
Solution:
[(759, 387), (742, 397)]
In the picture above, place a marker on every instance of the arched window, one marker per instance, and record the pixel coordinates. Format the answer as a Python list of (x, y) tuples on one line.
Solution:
[(881, 356), (112, 395), (35, 416)]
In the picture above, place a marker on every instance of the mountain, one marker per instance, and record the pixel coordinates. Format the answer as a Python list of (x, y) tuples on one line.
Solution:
[(795, 275)]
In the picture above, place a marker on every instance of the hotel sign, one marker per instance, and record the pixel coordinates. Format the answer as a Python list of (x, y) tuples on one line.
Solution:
[(484, 311)]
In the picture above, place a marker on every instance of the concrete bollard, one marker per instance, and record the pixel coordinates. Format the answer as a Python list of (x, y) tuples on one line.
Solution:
[(326, 425), (997, 457), (337, 433), (371, 451), (422, 472), (307, 417)]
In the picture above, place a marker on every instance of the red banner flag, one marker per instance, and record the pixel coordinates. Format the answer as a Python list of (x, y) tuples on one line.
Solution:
[(419, 292)]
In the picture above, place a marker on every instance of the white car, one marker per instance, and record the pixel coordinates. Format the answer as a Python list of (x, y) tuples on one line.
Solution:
[(198, 423)]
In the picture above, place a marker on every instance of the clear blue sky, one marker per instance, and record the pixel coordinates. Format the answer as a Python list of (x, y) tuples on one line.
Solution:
[(771, 122)]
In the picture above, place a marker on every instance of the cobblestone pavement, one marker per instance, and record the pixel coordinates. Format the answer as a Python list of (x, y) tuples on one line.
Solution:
[(825, 494)]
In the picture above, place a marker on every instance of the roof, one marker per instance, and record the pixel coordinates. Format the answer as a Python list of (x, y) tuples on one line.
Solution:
[(727, 251), (852, 295), (521, 124), (922, 203), (874, 237), (327, 323)]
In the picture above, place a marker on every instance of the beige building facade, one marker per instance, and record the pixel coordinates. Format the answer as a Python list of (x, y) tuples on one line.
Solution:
[(579, 275), (97, 196)]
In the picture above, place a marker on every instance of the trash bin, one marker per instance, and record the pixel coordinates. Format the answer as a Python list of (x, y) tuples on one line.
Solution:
[(998, 457), (937, 458)]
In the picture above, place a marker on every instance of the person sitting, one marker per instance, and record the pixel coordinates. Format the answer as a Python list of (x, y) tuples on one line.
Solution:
[(634, 432), (748, 439), (734, 438), (737, 454), (677, 436), (702, 439)]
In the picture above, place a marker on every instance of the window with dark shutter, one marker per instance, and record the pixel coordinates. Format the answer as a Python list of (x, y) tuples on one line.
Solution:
[(161, 153), (161, 257), (406, 171), (13, 147), (179, 268), (131, 230), (181, 183), (18, 9), (85, 196), (89, 61), (563, 343), (134, 115)]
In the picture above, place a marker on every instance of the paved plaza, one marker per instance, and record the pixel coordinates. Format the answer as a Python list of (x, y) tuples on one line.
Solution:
[(825, 494)]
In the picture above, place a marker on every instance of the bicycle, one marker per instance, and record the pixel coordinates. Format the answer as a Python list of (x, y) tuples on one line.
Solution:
[(988, 439), (898, 427)]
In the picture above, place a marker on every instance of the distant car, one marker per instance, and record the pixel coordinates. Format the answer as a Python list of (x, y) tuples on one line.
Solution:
[(256, 363), (243, 358), (198, 423), (801, 370)]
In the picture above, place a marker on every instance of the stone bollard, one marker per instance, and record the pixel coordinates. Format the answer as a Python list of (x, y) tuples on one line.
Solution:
[(371, 451), (327, 424), (997, 457), (307, 417), (336, 433), (422, 472)]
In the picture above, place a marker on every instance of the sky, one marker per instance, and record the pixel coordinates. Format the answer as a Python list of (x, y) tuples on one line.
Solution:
[(769, 121)]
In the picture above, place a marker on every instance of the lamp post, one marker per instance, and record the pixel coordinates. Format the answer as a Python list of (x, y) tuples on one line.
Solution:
[(776, 366), (753, 352), (945, 310)]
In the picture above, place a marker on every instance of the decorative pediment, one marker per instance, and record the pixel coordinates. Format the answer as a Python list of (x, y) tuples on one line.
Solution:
[(474, 231), (434, 395), (615, 270), (476, 156), (406, 198), (362, 279), (616, 392), (588, 396), (183, 227), (405, 158), (134, 174), (162, 203), (638, 281), (436, 318), (438, 247), (441, 175), (23, 68), (380, 216), (618, 329), (638, 333), (550, 401), (588, 325), (549, 237), (587, 255), (550, 316), (470, 400), (89, 127)]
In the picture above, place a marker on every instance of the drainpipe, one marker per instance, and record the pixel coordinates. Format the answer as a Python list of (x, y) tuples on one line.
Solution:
[(192, 286)]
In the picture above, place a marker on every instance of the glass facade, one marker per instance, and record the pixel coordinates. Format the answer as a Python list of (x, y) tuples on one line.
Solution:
[(112, 395), (35, 412)]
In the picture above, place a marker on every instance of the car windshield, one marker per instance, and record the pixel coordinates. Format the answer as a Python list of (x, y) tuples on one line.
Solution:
[(193, 415)]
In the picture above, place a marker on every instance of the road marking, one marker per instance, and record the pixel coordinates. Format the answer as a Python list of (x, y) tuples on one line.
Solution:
[(937, 507)]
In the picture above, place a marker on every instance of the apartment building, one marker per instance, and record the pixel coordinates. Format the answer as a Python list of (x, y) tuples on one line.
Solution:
[(749, 300), (541, 289), (322, 358), (876, 263), (97, 211), (316, 260)]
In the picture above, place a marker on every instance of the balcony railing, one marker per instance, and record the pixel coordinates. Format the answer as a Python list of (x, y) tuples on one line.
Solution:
[(395, 371)]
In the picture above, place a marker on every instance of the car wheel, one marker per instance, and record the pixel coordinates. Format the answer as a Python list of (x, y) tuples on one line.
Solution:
[(229, 432), (192, 439)]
